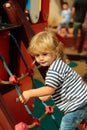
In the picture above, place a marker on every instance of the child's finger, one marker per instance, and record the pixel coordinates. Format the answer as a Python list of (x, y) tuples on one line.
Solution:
[(21, 98)]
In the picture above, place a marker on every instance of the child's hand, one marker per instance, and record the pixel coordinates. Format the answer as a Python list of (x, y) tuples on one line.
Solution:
[(24, 97)]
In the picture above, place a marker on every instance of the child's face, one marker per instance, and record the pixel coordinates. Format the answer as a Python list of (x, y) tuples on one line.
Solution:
[(45, 58), (65, 6)]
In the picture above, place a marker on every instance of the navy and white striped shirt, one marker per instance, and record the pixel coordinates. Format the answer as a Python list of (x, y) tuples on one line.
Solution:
[(71, 91)]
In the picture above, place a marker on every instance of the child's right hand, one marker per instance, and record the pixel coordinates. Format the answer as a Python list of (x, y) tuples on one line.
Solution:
[(21, 98), (24, 97)]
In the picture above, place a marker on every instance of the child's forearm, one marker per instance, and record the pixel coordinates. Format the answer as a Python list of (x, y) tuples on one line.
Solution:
[(38, 92), (43, 91)]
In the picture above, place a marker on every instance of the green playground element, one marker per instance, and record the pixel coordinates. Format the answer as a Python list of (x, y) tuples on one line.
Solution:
[(51, 121), (72, 64)]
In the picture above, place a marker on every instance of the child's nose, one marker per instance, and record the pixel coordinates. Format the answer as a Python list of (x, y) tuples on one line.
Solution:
[(40, 57)]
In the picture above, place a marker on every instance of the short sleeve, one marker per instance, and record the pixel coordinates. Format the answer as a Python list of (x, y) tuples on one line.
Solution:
[(54, 79)]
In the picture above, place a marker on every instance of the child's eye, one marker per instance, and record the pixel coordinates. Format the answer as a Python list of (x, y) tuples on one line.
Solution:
[(45, 54), (37, 55)]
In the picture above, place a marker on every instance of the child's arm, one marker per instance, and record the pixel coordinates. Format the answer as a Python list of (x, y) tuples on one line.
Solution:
[(39, 92)]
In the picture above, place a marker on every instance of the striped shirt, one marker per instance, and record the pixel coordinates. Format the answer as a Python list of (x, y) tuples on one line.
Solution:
[(71, 91)]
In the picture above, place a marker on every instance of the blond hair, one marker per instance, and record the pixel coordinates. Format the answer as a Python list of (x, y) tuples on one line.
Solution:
[(45, 41)]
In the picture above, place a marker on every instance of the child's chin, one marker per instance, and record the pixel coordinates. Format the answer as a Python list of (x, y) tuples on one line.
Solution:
[(43, 65)]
